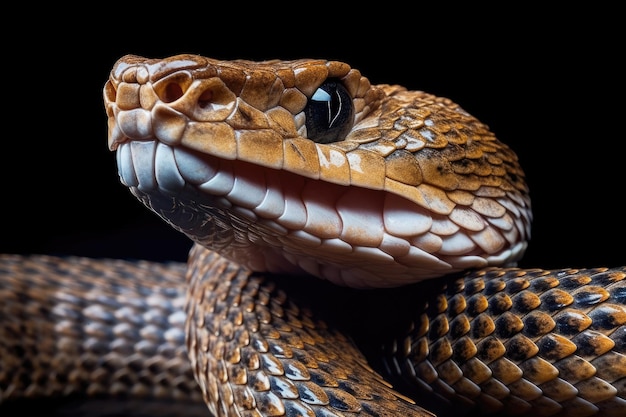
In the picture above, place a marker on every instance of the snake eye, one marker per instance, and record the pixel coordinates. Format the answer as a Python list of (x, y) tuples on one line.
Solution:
[(329, 113)]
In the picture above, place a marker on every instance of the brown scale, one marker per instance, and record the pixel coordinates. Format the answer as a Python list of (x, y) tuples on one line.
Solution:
[(521, 343), (494, 342), (261, 354), (478, 344), (76, 328)]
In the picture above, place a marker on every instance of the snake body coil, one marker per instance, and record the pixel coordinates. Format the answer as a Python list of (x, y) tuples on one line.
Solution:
[(354, 255)]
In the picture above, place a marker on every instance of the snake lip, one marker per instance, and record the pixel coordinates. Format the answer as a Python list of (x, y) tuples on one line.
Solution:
[(116, 136)]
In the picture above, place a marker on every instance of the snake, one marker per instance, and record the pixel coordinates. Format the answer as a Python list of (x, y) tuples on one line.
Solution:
[(355, 252)]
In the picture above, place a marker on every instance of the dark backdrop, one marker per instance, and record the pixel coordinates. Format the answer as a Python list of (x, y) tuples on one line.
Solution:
[(548, 83)]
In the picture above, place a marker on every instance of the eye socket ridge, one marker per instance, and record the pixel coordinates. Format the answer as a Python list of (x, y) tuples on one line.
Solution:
[(329, 113)]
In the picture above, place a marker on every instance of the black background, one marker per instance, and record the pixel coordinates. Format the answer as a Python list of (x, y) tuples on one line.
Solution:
[(549, 83)]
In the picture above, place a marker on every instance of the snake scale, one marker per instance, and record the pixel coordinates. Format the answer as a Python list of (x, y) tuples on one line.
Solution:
[(355, 250)]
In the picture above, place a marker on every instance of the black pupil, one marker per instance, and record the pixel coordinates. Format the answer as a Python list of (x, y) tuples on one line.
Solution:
[(329, 113)]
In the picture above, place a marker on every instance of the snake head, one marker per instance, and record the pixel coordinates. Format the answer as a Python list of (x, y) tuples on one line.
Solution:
[(305, 167)]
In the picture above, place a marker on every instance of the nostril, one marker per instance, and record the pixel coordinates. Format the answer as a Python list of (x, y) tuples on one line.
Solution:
[(172, 92), (172, 87), (204, 100)]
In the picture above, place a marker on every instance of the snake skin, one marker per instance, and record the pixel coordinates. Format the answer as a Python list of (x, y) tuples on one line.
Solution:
[(521, 342), (72, 325), (499, 342), (495, 340)]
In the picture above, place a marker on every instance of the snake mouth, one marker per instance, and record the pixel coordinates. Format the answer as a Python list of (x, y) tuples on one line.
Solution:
[(271, 220)]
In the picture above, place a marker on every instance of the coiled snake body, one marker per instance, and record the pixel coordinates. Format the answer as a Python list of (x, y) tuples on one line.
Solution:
[(324, 211)]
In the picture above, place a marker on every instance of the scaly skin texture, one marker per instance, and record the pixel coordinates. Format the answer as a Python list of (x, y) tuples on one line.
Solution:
[(503, 341), (262, 352), (415, 193), (521, 342), (76, 325), (417, 189)]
